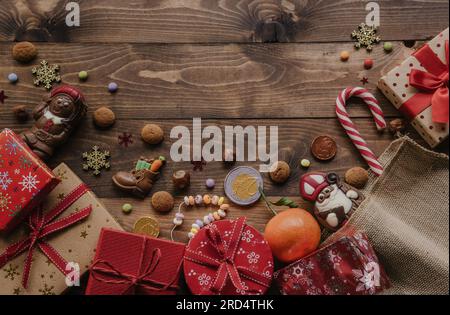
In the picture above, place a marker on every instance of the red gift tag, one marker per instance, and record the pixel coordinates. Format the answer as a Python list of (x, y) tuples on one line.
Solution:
[(348, 266), (127, 263), (24, 180), (228, 257)]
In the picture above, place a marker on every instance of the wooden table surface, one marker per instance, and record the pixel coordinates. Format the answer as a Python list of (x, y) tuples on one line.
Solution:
[(230, 62)]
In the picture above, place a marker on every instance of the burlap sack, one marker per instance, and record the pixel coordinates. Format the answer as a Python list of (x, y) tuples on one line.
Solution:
[(406, 216)]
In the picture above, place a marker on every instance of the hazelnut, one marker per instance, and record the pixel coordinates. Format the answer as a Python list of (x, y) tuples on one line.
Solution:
[(152, 134), (280, 172), (357, 177), (181, 179), (162, 201), (24, 52), (104, 117)]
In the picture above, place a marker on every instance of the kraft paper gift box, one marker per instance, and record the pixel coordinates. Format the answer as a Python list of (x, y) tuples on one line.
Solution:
[(66, 228), (24, 181), (419, 89)]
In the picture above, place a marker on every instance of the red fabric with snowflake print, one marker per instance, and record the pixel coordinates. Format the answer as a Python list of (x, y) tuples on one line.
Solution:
[(24, 181), (348, 266), (228, 257)]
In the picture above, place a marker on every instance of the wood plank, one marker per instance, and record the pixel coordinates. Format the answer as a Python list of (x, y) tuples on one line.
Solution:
[(197, 21), (295, 137), (210, 81)]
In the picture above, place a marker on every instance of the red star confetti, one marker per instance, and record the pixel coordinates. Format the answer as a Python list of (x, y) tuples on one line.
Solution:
[(365, 80), (125, 139), (198, 165), (3, 97)]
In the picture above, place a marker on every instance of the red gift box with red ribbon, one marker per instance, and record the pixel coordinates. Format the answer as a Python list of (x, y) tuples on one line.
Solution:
[(24, 180), (132, 264), (418, 88), (228, 257), (346, 266)]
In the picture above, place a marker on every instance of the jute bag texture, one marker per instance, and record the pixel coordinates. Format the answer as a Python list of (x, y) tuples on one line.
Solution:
[(406, 216)]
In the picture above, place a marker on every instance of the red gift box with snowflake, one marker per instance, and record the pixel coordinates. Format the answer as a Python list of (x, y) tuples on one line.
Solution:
[(132, 264), (346, 266), (228, 257), (24, 180)]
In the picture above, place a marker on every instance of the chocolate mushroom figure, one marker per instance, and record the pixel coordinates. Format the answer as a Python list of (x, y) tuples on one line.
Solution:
[(56, 118), (334, 201)]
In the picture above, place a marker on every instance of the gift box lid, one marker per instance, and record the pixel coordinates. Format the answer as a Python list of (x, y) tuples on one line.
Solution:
[(24, 180)]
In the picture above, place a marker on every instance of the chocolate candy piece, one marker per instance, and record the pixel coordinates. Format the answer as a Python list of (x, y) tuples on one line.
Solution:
[(324, 148), (24, 52), (280, 172), (152, 134), (181, 179), (162, 201), (104, 117)]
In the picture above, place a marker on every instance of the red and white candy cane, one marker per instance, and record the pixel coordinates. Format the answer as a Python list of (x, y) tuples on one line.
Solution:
[(350, 128)]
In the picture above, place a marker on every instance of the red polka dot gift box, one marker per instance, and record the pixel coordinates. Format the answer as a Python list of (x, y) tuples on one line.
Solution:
[(418, 88), (24, 181), (228, 257)]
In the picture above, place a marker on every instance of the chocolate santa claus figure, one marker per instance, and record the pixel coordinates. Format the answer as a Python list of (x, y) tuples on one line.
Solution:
[(334, 201), (56, 117)]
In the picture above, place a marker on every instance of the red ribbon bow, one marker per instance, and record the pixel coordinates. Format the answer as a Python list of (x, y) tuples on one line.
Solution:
[(103, 271), (432, 84), (43, 225), (224, 264)]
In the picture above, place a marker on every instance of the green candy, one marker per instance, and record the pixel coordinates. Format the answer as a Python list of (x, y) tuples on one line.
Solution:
[(388, 46), (127, 208), (83, 75)]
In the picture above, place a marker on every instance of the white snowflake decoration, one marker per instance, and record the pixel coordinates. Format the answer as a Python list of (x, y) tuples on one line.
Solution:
[(204, 279), (253, 258), (29, 182), (368, 279), (5, 180)]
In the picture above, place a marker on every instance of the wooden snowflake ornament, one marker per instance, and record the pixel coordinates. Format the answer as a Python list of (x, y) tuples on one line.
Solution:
[(366, 36), (96, 160), (46, 75)]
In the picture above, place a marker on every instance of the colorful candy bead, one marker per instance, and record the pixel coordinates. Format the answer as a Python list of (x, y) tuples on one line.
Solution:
[(216, 216), (191, 201), (221, 201), (186, 201), (225, 207), (368, 63), (210, 183), (388, 47), (206, 220), (83, 75), (191, 235), (215, 200), (198, 200), (345, 55), (199, 223), (13, 78), (222, 213), (127, 208), (305, 163), (196, 226), (113, 87), (177, 221), (207, 200)]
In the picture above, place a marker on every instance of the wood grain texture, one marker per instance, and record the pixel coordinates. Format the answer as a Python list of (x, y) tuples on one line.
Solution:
[(295, 137), (213, 21), (211, 81)]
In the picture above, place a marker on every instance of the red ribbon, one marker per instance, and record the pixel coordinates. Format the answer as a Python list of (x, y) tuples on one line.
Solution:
[(432, 85), (225, 264), (103, 271), (43, 225)]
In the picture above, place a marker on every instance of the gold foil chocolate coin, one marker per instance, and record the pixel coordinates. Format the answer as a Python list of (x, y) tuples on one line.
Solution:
[(324, 148), (147, 226)]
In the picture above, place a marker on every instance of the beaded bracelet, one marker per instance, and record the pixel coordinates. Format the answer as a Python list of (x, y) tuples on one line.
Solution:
[(206, 200)]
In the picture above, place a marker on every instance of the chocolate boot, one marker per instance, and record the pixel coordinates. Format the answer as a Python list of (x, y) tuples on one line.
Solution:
[(139, 182)]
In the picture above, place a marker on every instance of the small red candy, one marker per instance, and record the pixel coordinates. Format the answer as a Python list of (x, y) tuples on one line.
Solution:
[(368, 63)]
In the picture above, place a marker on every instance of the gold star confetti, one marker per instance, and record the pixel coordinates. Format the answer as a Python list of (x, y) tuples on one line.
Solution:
[(11, 272), (366, 36), (17, 291), (47, 290), (61, 196), (83, 234)]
